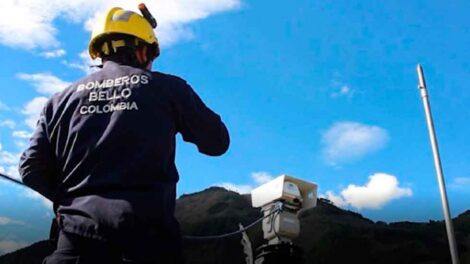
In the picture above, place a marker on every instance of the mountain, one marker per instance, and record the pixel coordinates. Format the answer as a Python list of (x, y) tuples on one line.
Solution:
[(328, 234)]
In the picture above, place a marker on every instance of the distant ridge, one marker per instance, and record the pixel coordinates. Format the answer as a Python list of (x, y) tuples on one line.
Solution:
[(329, 234)]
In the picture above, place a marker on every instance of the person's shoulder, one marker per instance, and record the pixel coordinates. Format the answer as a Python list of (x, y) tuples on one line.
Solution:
[(171, 79)]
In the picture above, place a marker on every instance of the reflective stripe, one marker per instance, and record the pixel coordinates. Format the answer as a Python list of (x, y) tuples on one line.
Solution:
[(122, 16)]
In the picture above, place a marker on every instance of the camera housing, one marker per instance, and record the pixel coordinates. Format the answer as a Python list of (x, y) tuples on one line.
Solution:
[(295, 193)]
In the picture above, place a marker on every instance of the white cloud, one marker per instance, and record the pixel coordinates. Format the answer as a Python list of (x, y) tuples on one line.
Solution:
[(381, 189), (4, 220), (8, 123), (9, 165), (33, 109), (31, 24), (8, 158), (36, 196), (349, 141), (9, 221), (239, 188), (261, 177), (4, 107), (257, 178), (53, 53), (84, 63), (343, 91), (460, 181), (10, 246), (27, 24), (22, 134), (45, 83), (6, 186), (11, 170), (21, 143), (336, 199)]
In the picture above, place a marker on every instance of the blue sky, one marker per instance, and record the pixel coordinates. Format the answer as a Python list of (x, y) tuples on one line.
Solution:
[(321, 90)]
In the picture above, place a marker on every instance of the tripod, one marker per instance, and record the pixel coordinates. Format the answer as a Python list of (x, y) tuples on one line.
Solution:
[(278, 254)]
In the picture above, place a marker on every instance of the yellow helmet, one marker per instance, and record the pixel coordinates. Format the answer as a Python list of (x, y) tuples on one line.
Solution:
[(120, 21)]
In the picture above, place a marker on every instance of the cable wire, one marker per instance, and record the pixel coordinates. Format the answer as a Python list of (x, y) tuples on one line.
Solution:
[(9, 178), (231, 233)]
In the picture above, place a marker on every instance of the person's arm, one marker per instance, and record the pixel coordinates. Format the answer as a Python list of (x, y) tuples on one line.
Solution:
[(200, 125), (38, 163)]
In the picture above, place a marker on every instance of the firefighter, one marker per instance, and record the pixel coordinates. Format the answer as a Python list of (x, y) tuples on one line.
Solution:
[(104, 150)]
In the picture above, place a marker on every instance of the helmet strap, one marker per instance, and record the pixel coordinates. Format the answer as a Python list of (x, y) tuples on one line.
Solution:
[(141, 54), (137, 55)]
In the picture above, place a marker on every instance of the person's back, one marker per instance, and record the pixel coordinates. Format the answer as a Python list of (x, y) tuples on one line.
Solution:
[(104, 152)]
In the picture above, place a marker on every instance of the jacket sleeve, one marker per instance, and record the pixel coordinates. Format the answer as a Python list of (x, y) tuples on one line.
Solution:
[(199, 124), (37, 163)]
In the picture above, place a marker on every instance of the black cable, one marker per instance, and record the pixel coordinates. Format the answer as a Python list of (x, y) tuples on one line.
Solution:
[(11, 179), (231, 233)]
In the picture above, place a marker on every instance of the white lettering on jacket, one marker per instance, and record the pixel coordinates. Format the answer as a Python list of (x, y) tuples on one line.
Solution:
[(125, 81), (116, 92)]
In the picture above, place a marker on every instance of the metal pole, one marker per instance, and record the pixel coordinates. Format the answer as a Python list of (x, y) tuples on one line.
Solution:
[(438, 166)]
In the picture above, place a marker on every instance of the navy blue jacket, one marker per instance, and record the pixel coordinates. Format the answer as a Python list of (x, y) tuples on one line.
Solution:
[(104, 151)]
